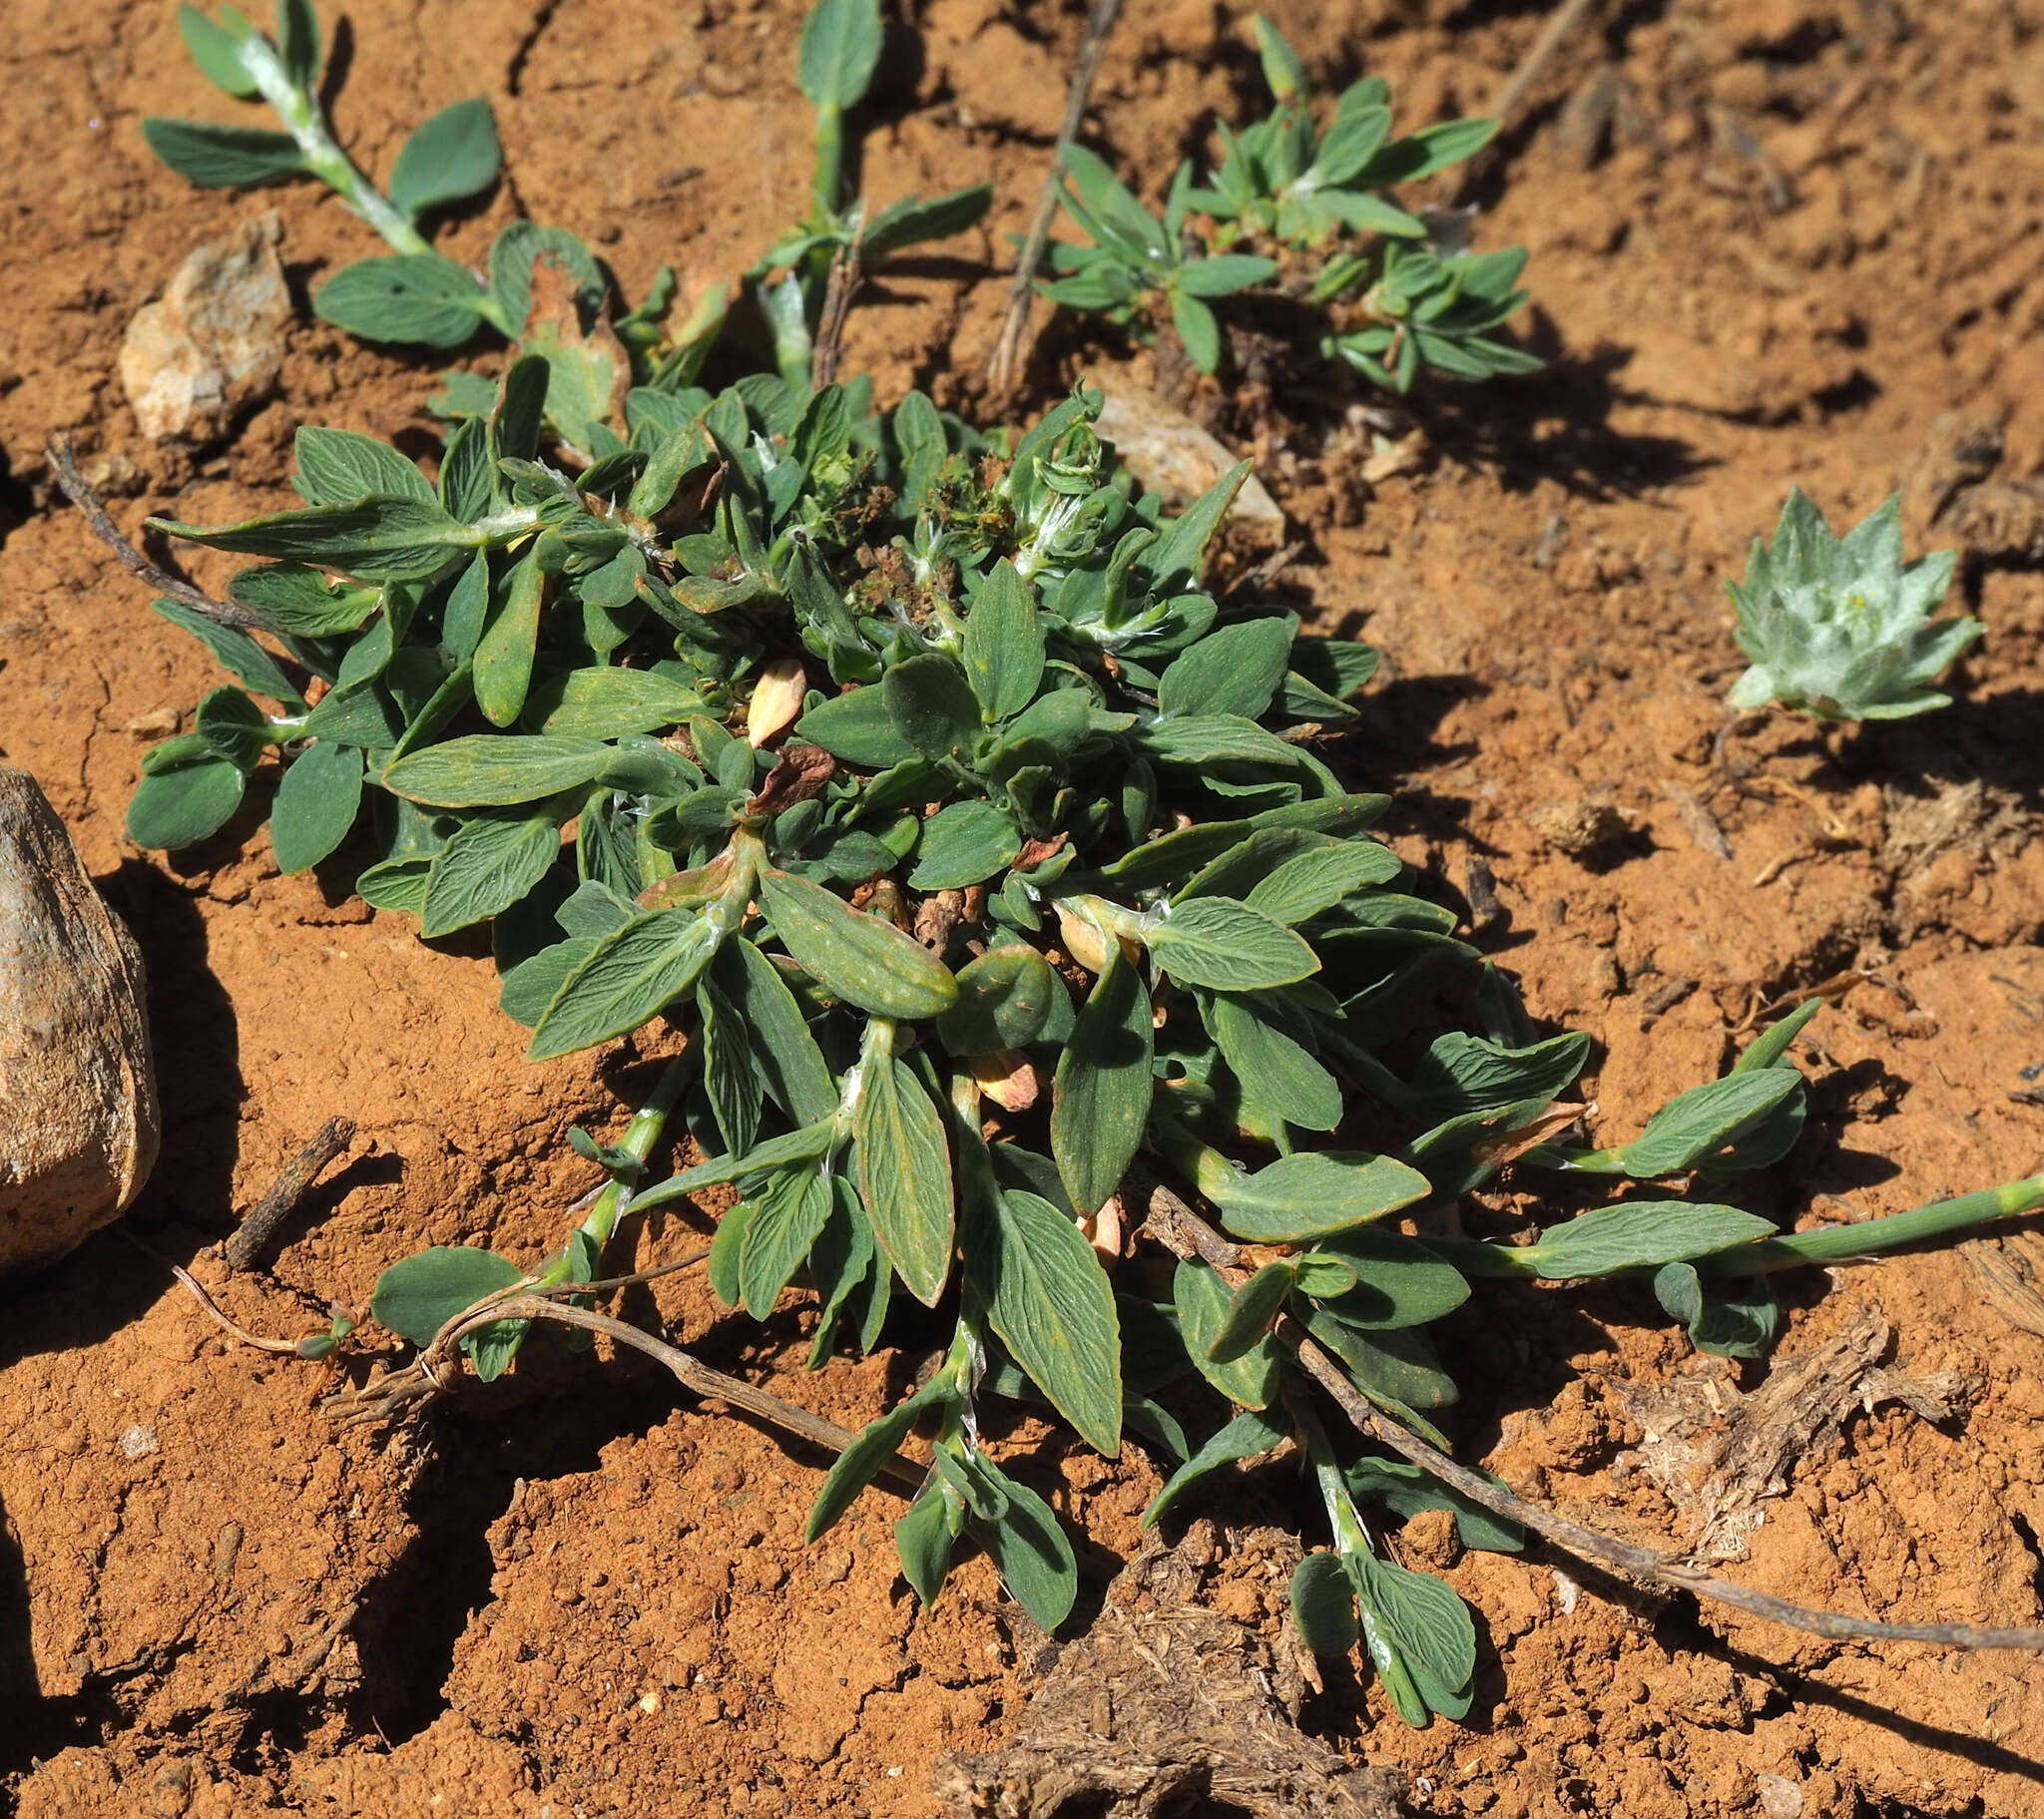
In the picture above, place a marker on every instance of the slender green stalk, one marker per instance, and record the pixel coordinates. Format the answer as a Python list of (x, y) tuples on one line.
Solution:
[(1866, 1239), (1352, 1543), (1876, 1237), (1351, 1534), (641, 1135), (1204, 1165), (976, 1186), (301, 113), (1576, 1161), (827, 183)]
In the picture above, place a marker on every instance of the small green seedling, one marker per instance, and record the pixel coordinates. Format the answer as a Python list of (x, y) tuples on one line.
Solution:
[(1841, 627), (989, 868), (340, 1323), (414, 296), (839, 57), (543, 290), (1302, 211)]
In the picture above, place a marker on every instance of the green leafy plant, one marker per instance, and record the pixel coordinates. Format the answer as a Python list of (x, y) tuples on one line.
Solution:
[(839, 56), (416, 294), (1841, 627), (989, 701), (1304, 211), (543, 290), (989, 873)]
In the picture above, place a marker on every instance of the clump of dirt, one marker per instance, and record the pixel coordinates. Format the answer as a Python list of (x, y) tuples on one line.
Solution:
[(1165, 1701), (1719, 1453), (1768, 244)]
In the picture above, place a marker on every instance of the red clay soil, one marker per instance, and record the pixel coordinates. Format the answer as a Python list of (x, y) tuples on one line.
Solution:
[(1771, 242)]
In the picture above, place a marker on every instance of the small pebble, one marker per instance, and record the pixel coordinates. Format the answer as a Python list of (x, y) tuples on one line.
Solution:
[(1780, 1798), (136, 1442)]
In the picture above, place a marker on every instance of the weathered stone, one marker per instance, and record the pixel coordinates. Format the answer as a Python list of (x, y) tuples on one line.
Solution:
[(78, 1108), (213, 344), (1173, 456)]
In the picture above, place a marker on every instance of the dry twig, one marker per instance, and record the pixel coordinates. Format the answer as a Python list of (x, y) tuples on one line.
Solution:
[(1000, 369), (289, 1188), (426, 1376), (200, 1294), (65, 466), (1182, 1232), (1512, 97), (846, 270)]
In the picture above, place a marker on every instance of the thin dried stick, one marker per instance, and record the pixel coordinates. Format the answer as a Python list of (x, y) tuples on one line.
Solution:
[(691, 1373), (1512, 97), (289, 1189), (603, 1284), (424, 1376), (128, 555), (1184, 1233), (846, 273), (1000, 369), (205, 1300)]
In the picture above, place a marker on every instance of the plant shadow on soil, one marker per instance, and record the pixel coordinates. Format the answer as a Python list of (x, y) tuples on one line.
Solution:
[(413, 1615), (1393, 745), (37, 1727), (1807, 1691), (488, 1441), (1964, 743), (1557, 425)]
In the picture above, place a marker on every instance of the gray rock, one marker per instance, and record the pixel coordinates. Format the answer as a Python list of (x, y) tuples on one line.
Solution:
[(213, 344), (78, 1107), (1171, 455)]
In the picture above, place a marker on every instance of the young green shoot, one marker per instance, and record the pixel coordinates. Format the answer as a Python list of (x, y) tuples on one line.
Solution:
[(414, 296), (1299, 208)]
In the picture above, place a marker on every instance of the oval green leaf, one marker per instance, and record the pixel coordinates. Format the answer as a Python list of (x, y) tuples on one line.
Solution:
[(1229, 947), (853, 956), (904, 1177)]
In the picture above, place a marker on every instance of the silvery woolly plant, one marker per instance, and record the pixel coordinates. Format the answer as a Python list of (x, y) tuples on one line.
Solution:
[(977, 868), (1841, 627)]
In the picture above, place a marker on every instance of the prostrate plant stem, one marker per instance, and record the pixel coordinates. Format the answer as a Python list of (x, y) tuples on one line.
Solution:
[(1182, 1232), (1868, 1238), (642, 1137)]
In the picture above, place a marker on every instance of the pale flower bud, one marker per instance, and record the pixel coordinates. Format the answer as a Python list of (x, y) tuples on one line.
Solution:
[(776, 700), (1084, 940), (1008, 1078)]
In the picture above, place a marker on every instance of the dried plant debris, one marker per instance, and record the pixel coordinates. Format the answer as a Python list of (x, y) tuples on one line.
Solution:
[(1930, 816), (1581, 829), (2012, 1272), (1720, 1453), (1166, 1704)]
